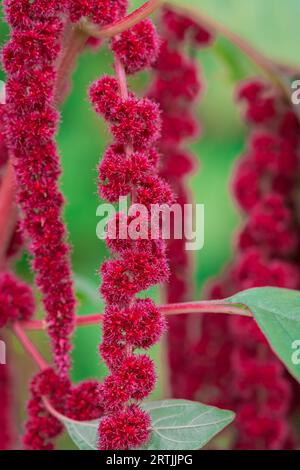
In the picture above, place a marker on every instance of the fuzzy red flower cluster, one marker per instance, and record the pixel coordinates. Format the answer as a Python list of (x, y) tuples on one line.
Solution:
[(101, 12), (29, 59), (80, 402), (177, 87), (129, 168), (242, 367), (16, 299)]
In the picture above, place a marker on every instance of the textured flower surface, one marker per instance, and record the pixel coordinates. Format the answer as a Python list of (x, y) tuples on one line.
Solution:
[(268, 251), (176, 87), (31, 121), (129, 168)]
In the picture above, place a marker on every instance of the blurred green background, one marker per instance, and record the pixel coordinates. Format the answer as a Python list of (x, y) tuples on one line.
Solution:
[(270, 25)]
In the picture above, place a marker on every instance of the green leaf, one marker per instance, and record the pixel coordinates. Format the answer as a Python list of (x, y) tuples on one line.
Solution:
[(277, 313), (184, 425), (177, 425)]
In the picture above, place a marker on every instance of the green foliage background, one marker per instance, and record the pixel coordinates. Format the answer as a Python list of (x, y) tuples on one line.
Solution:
[(273, 27)]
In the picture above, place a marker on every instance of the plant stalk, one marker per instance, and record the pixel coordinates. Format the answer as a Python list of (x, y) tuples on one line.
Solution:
[(121, 25)]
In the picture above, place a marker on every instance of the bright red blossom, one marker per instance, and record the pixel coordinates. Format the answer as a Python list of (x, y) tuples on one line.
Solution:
[(124, 430), (137, 48)]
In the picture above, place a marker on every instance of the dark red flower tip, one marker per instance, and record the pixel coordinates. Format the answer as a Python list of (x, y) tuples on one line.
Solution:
[(138, 123), (105, 97), (16, 299), (138, 47), (127, 429), (84, 401)]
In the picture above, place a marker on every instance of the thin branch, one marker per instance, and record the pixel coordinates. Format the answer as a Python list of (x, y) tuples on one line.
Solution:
[(29, 346), (203, 307), (74, 42), (123, 24)]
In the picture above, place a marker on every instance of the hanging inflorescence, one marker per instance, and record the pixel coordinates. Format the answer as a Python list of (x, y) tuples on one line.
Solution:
[(243, 371), (177, 86), (129, 167)]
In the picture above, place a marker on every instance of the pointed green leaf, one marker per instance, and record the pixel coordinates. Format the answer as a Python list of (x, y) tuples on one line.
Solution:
[(177, 425), (277, 313)]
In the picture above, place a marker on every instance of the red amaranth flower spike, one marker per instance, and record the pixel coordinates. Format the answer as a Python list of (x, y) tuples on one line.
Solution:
[(31, 123), (129, 167), (268, 254), (176, 87)]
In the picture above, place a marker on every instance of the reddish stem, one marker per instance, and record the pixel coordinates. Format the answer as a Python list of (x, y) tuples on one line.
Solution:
[(29, 346), (8, 211), (74, 42), (218, 307), (123, 24)]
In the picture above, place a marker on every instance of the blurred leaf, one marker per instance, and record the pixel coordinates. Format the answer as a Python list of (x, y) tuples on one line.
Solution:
[(272, 26), (177, 425), (277, 313)]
